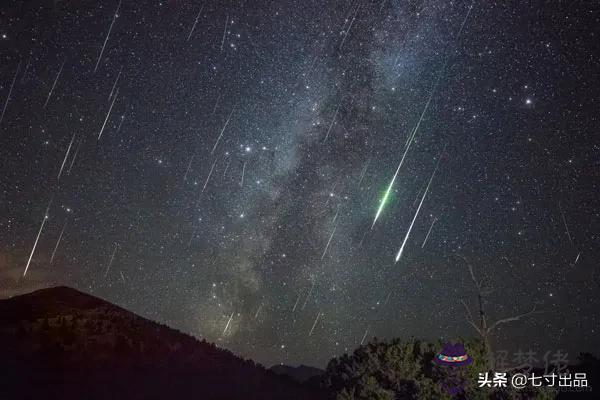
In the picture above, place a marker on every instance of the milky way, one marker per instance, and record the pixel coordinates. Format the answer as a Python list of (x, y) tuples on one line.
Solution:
[(218, 166)]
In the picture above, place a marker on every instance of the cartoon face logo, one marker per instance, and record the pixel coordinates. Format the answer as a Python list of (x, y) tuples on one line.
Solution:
[(451, 357)]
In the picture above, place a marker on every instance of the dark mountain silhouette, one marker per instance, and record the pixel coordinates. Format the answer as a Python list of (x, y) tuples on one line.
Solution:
[(62, 343), (301, 373)]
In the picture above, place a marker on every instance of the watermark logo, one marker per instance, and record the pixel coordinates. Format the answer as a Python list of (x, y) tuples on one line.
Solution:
[(453, 357)]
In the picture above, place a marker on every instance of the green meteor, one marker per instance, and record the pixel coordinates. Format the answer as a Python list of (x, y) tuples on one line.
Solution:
[(389, 189), (383, 201)]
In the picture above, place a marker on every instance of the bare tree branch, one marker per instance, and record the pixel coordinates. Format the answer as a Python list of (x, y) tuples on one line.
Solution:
[(512, 319), (470, 267), (470, 317)]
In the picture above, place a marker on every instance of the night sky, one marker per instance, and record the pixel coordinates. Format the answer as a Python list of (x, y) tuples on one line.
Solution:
[(218, 167)]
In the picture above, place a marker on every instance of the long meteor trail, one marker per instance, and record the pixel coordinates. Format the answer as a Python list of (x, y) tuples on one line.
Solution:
[(195, 23), (37, 238), (413, 134), (54, 84), (399, 255), (108, 114), (429, 232), (58, 242), (112, 258), (107, 36), (209, 174), (62, 166), (222, 131), (332, 122), (315, 324), (227, 325), (389, 188), (332, 233), (10, 92)]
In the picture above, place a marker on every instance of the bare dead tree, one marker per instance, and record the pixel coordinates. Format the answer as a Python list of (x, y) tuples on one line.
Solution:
[(483, 327)]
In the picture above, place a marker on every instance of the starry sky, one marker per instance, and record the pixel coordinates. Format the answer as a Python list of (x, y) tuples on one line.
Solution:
[(218, 167)]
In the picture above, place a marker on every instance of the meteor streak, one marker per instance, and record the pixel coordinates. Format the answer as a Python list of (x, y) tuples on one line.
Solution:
[(428, 232), (224, 31), (74, 156), (228, 322), (257, 311), (58, 242), (315, 324), (332, 122), (54, 84), (308, 295), (209, 174), (408, 144), (188, 168), (332, 233), (66, 156), (107, 35), (108, 114), (112, 258), (37, 238), (296, 303), (363, 172), (222, 131), (195, 23), (416, 214), (562, 213), (364, 336), (10, 91), (115, 84), (348, 30)]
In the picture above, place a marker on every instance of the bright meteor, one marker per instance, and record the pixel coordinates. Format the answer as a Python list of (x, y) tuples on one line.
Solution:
[(389, 188), (399, 255)]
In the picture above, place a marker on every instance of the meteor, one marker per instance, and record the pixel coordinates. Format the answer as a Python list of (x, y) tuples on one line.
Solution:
[(195, 23), (315, 324), (225, 31), (108, 114), (74, 156), (258, 311), (10, 92), (112, 258), (308, 295), (364, 336), (222, 131), (389, 188), (58, 242), (296, 304), (363, 172), (107, 36), (411, 137), (37, 238), (332, 122), (227, 325), (332, 233), (188, 168), (115, 84), (66, 156), (428, 232), (54, 84), (399, 255), (209, 174)]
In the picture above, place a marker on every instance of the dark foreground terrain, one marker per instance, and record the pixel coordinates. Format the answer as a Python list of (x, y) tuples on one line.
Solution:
[(60, 343)]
